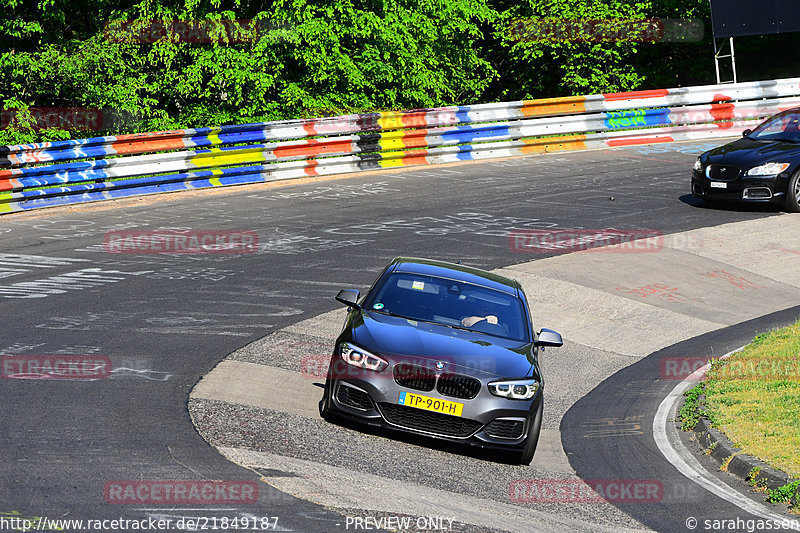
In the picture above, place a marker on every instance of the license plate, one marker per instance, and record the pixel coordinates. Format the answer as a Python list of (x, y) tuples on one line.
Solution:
[(718, 185), (430, 404)]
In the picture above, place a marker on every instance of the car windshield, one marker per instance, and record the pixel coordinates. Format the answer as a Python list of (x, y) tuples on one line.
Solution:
[(782, 127), (450, 303)]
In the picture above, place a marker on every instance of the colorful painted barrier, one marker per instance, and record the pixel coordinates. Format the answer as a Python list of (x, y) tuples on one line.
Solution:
[(74, 171)]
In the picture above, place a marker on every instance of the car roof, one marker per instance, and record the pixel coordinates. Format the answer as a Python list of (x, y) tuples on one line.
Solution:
[(416, 265)]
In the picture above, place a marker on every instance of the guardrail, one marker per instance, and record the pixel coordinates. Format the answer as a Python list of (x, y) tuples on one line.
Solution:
[(67, 172)]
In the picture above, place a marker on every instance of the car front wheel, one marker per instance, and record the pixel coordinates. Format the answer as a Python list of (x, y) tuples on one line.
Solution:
[(793, 194), (325, 403), (529, 446)]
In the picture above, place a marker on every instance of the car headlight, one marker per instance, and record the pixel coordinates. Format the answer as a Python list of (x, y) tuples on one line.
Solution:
[(770, 169), (361, 358), (522, 389), (698, 165)]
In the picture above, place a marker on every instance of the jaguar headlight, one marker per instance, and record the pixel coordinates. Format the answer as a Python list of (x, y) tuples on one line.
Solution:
[(770, 169), (698, 165), (523, 389)]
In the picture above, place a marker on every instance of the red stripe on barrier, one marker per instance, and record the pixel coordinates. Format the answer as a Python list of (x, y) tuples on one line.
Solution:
[(9, 184), (310, 127), (419, 157), (722, 111), (655, 93), (313, 147), (311, 167), (8, 172), (640, 140)]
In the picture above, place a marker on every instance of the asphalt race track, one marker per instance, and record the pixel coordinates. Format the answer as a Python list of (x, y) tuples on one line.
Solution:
[(166, 320)]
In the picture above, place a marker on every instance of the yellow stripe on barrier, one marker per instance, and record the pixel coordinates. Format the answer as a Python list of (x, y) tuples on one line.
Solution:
[(390, 120), (214, 137), (218, 157), (392, 141), (553, 106), (215, 181), (393, 159), (5, 202)]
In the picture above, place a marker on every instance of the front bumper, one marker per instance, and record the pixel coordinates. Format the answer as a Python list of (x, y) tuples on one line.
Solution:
[(742, 189), (487, 421)]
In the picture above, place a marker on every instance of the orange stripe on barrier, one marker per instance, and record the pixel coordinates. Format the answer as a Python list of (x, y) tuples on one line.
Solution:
[(638, 140), (127, 147), (9, 184), (634, 95), (416, 119), (554, 144), (417, 157), (415, 139), (553, 106)]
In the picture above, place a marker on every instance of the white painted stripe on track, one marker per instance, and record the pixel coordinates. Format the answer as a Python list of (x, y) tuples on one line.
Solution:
[(689, 466)]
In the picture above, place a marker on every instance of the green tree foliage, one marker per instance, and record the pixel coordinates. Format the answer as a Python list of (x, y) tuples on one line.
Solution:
[(318, 57)]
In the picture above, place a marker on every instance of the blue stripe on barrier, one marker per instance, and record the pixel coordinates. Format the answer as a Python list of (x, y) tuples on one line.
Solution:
[(464, 134), (465, 152)]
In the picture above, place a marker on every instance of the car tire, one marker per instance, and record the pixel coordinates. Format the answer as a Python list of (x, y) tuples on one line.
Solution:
[(325, 410), (532, 440), (792, 201)]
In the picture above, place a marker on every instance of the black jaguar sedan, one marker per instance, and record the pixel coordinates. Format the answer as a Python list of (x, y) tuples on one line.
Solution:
[(441, 350), (762, 166)]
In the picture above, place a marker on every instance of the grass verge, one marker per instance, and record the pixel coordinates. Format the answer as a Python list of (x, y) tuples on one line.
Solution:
[(753, 397)]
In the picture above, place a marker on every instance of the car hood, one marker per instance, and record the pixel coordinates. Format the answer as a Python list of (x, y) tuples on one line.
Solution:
[(399, 339), (747, 153)]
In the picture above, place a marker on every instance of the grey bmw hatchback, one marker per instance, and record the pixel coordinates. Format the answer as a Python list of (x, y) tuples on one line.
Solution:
[(441, 350)]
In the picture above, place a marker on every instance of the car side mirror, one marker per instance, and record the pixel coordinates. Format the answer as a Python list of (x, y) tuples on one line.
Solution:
[(746, 133), (348, 297), (548, 337)]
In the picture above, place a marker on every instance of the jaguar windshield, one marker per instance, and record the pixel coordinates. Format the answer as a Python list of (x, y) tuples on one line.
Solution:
[(784, 127)]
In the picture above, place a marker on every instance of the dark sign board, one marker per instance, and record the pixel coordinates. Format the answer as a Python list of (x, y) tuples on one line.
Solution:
[(736, 18)]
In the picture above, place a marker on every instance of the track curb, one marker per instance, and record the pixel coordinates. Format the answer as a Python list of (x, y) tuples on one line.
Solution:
[(750, 469)]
